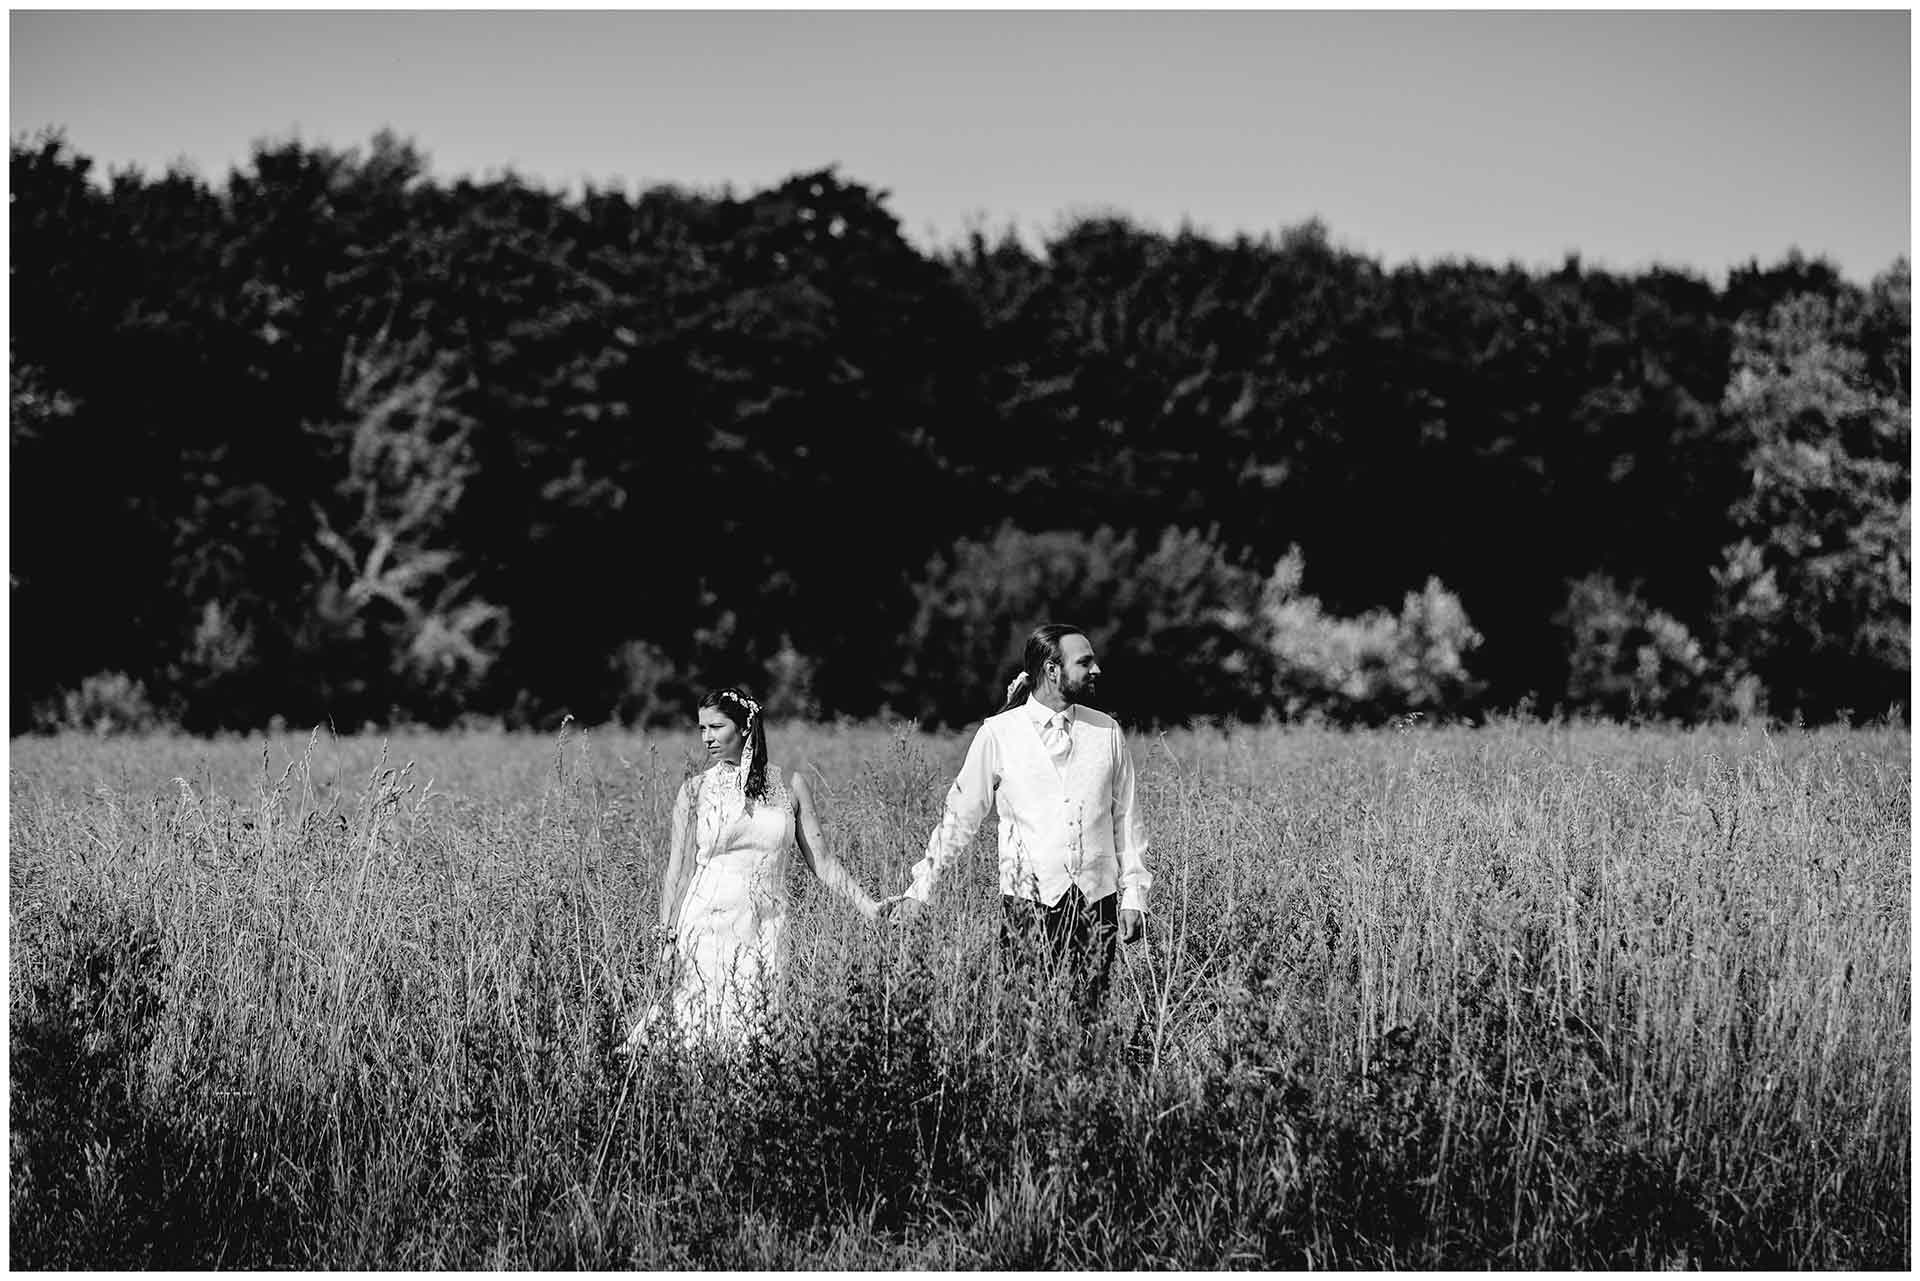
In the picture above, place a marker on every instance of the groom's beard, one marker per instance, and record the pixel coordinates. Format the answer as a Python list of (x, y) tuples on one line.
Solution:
[(1078, 692)]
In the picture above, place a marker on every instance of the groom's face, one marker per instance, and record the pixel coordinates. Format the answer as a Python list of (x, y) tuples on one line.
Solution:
[(1079, 670)]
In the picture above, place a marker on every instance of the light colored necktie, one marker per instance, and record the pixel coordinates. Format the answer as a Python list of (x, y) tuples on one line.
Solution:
[(1056, 738)]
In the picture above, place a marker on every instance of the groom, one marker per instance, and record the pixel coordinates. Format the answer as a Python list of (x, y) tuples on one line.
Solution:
[(1072, 852)]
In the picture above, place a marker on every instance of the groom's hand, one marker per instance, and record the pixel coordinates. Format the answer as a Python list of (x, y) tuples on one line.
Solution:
[(906, 909), (1133, 924)]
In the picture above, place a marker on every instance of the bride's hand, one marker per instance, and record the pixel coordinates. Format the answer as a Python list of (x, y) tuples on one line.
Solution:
[(876, 910)]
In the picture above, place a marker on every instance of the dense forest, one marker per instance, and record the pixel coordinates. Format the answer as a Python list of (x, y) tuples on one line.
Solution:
[(341, 441)]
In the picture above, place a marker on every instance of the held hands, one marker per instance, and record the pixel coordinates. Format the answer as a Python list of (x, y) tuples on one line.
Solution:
[(1133, 925), (879, 911)]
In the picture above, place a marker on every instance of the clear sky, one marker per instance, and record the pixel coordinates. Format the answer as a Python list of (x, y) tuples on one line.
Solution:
[(1690, 139)]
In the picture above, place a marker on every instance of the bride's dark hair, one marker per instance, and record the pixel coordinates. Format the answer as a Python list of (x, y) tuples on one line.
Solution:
[(741, 708)]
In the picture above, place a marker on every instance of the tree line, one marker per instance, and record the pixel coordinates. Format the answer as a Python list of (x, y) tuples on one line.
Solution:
[(338, 440)]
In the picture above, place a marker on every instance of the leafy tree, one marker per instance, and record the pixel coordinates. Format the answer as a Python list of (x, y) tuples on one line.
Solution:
[(123, 355), (1626, 659), (392, 599), (683, 437), (1172, 621), (1370, 667), (1813, 595)]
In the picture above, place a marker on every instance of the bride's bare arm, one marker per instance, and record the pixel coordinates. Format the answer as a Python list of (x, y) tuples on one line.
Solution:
[(813, 847), (673, 885)]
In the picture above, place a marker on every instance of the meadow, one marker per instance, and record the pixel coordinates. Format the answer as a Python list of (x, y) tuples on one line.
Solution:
[(1518, 996)]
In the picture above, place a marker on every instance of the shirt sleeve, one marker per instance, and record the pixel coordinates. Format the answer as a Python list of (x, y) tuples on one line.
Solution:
[(968, 801), (1129, 836)]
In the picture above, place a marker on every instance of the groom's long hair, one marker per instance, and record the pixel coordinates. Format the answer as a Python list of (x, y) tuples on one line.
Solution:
[(738, 706), (1043, 647)]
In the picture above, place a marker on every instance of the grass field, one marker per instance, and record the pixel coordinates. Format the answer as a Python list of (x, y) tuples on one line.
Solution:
[(1520, 996)]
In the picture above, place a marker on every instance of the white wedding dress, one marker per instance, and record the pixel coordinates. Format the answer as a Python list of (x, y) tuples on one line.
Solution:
[(728, 942)]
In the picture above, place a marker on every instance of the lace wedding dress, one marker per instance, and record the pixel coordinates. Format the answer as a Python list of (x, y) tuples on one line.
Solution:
[(728, 952)]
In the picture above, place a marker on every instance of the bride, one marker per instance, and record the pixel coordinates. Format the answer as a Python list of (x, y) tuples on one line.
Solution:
[(723, 900)]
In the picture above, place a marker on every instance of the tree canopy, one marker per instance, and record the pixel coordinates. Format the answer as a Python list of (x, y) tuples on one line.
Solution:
[(339, 440)]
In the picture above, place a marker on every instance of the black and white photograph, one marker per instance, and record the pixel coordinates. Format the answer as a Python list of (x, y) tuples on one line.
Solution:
[(990, 639)]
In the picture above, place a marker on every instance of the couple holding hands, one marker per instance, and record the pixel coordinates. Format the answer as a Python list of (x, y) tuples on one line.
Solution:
[(1073, 877)]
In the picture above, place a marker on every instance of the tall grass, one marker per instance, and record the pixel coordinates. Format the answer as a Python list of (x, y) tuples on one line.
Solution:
[(1522, 996)]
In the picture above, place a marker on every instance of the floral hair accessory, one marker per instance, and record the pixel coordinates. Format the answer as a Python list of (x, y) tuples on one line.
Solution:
[(741, 701)]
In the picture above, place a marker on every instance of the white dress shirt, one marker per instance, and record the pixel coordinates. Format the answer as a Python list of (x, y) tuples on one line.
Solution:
[(1061, 825)]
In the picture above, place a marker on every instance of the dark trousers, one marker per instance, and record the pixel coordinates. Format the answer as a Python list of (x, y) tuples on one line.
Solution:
[(1071, 943)]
